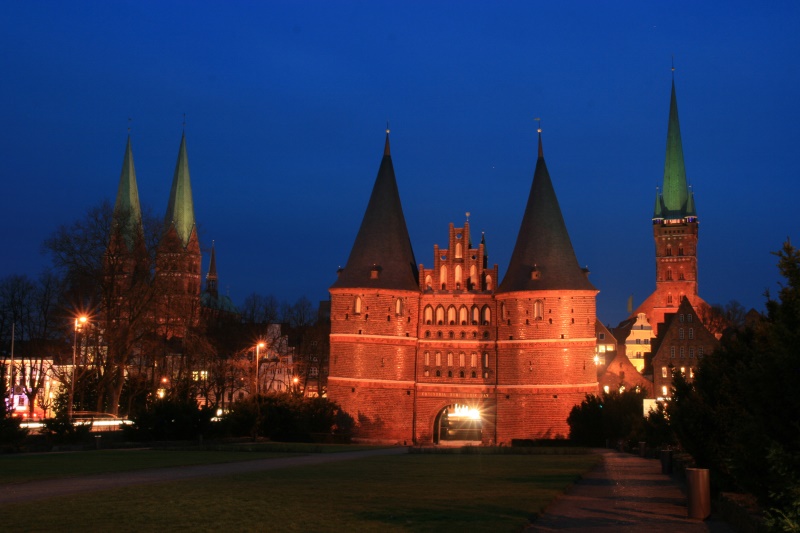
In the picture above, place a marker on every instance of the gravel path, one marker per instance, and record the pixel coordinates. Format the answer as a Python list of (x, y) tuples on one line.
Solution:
[(624, 493)]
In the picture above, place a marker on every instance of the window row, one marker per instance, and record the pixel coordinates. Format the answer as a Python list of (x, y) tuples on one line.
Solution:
[(682, 352), (462, 316), (452, 335), (358, 304), (461, 374), (462, 359), (472, 281)]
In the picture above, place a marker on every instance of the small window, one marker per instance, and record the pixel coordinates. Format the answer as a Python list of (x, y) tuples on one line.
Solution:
[(683, 353), (427, 358), (486, 360), (691, 333), (473, 360), (700, 352), (672, 352), (663, 371), (689, 317), (601, 336), (398, 307), (691, 353), (438, 373), (357, 307), (538, 310), (462, 359), (449, 358), (438, 359), (680, 333)]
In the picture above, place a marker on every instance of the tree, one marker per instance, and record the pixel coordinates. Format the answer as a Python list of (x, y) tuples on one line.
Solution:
[(739, 415)]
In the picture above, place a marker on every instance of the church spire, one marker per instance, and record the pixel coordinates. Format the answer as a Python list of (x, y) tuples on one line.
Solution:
[(675, 191), (382, 256), (127, 210), (543, 257), (211, 277), (180, 210)]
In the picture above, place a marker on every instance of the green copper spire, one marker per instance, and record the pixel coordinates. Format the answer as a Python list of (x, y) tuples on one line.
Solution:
[(658, 210), (675, 192), (180, 211), (127, 210)]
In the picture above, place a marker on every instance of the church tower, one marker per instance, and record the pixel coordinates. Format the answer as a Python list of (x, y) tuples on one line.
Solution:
[(675, 231), (178, 256), (546, 310), (126, 263), (374, 314)]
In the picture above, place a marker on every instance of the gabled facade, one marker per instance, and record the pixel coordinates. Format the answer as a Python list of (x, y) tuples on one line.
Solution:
[(427, 355), (683, 341)]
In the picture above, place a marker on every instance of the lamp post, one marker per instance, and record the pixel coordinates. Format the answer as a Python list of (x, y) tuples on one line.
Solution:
[(258, 352), (79, 322)]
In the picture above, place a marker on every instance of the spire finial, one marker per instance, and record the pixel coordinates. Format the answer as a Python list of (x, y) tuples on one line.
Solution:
[(386, 150), (129, 126), (387, 127), (673, 67), (467, 216), (539, 131)]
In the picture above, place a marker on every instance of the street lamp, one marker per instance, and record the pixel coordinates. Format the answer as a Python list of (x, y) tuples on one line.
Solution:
[(79, 322), (258, 351)]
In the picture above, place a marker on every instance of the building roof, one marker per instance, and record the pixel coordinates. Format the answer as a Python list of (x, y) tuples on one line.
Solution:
[(543, 257), (127, 209), (675, 192), (382, 257), (180, 210)]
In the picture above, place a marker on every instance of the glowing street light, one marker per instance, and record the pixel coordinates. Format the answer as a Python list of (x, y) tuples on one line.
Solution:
[(258, 352), (79, 322)]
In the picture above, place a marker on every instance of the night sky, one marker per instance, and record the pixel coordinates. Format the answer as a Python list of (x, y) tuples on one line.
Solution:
[(286, 105)]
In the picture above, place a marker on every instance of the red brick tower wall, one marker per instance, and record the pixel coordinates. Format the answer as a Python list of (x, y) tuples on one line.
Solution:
[(373, 352), (178, 279)]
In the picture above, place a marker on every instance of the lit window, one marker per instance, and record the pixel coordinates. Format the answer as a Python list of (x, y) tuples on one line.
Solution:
[(664, 390), (663, 371), (606, 389)]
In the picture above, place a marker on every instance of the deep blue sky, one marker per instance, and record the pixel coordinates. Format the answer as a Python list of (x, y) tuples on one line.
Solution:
[(286, 106)]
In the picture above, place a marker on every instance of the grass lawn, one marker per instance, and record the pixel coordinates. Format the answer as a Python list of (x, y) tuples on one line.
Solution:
[(394, 493)]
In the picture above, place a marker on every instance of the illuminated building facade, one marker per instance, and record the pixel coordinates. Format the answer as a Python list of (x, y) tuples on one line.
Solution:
[(445, 353)]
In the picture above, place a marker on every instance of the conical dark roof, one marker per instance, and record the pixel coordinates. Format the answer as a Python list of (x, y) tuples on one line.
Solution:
[(543, 258), (382, 257)]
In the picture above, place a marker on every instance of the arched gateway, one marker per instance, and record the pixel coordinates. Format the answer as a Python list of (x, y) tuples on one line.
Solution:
[(458, 423)]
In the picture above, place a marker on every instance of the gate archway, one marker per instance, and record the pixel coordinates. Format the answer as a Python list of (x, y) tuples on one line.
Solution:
[(457, 422)]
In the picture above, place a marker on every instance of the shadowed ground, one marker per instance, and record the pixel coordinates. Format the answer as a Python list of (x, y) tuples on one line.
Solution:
[(624, 492)]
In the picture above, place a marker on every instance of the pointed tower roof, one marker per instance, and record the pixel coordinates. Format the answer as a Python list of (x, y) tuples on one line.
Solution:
[(543, 257), (180, 210), (127, 209), (675, 191), (382, 257), (658, 210), (211, 277)]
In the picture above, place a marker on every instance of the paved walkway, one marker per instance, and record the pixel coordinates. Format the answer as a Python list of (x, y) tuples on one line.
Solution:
[(39, 490), (624, 493)]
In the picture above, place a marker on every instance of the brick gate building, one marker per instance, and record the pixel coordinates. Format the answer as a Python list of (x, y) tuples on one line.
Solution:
[(427, 354)]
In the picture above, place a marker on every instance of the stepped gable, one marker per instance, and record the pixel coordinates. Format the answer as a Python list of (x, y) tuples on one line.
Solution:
[(382, 257), (543, 257)]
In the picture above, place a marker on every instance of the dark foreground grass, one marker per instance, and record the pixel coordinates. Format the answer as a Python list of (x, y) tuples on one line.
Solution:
[(21, 468), (393, 493)]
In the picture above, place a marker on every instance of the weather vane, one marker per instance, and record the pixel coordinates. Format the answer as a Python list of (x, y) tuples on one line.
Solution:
[(467, 216), (538, 124)]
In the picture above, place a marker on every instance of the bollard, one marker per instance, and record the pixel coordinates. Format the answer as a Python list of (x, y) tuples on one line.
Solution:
[(666, 461), (97, 441), (642, 448), (698, 485)]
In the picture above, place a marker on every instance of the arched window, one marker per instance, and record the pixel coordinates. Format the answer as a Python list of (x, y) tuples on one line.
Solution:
[(669, 250), (463, 315), (486, 315), (459, 254), (428, 283), (503, 314), (458, 276), (669, 274), (427, 358), (538, 310), (398, 307), (438, 359), (449, 358), (357, 308), (476, 315), (488, 283), (473, 276), (443, 277), (428, 314), (462, 359), (486, 360), (473, 360), (451, 315), (440, 315)]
